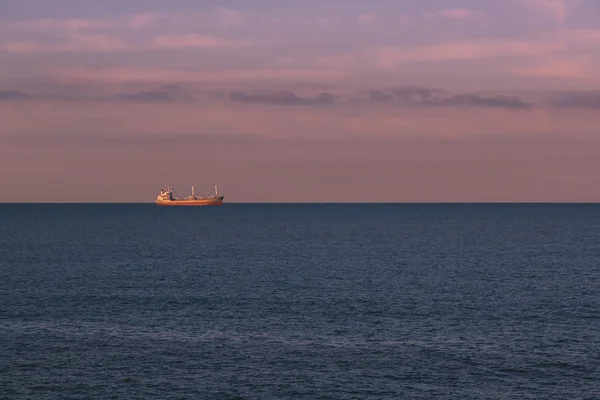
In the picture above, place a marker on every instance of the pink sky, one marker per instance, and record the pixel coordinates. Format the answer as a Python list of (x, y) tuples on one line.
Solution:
[(495, 100)]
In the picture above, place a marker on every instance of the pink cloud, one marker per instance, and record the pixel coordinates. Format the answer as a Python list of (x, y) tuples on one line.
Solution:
[(20, 47), (555, 9), (170, 75), (572, 67), (132, 21), (74, 43), (391, 57), (142, 20), (95, 42), (583, 36), (228, 16), (195, 40), (337, 61), (75, 24), (456, 13), (363, 62), (367, 18), (79, 42)]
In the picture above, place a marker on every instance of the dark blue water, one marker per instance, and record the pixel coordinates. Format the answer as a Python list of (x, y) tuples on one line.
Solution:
[(300, 301)]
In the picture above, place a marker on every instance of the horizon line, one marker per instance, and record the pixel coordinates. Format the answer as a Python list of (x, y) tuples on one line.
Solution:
[(303, 202)]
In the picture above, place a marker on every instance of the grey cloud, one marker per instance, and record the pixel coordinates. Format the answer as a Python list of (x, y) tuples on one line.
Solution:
[(283, 97), (313, 86), (423, 96), (589, 100), (405, 95), (475, 100), (13, 95), (164, 93), (211, 94), (401, 96), (416, 94), (150, 96), (378, 96), (177, 92)]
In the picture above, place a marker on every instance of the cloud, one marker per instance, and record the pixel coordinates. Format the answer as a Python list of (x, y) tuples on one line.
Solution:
[(500, 101), (18, 95), (429, 97), (380, 97), (367, 18), (198, 75), (142, 20), (284, 97), (78, 42), (20, 47), (149, 95), (583, 36), (167, 22), (417, 95), (585, 100), (211, 94), (166, 93), (13, 95), (135, 21), (229, 17), (573, 67), (456, 13), (407, 96), (412, 96), (555, 9), (52, 25), (73, 43), (391, 57), (404, 95), (161, 94), (195, 40), (140, 31)]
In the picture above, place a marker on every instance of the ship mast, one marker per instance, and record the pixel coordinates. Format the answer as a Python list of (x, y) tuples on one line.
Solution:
[(192, 192), (216, 191)]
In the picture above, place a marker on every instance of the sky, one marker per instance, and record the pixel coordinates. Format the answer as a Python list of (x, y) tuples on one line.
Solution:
[(300, 101)]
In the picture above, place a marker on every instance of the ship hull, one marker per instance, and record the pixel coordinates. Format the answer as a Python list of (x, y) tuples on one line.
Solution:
[(217, 201)]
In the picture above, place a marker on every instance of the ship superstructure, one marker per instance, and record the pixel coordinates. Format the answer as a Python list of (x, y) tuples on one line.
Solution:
[(166, 197)]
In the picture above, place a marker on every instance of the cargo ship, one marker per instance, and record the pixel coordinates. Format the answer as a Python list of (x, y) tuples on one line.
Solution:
[(166, 197)]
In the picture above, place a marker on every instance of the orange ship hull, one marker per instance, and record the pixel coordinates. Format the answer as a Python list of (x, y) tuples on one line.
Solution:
[(217, 201)]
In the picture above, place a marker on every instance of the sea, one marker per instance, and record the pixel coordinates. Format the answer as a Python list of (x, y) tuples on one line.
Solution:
[(300, 301)]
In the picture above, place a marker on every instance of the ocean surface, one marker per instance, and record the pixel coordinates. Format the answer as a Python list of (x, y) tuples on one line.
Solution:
[(292, 301)]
